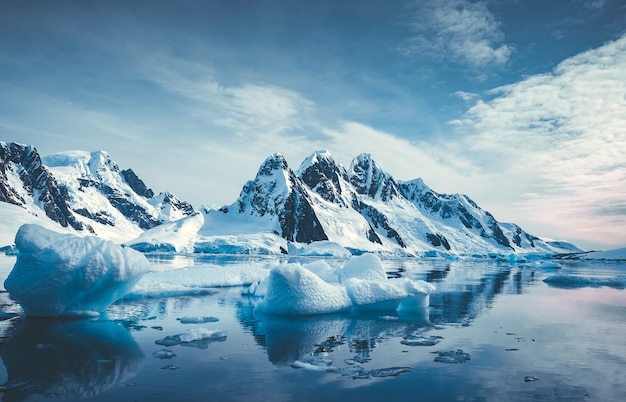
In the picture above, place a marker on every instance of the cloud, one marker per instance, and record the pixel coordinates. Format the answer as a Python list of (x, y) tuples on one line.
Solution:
[(245, 108), (455, 30), (560, 138)]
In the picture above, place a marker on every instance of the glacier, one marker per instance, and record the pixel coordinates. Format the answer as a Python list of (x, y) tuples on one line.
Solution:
[(64, 274)]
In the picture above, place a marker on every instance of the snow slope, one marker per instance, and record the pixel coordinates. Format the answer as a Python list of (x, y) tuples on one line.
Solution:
[(363, 209), (84, 191)]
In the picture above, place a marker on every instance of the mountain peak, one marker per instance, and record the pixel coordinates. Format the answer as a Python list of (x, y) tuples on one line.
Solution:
[(324, 176), (369, 179), (274, 162)]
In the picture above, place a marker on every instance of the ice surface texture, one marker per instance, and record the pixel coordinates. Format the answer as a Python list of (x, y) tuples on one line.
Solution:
[(63, 274), (293, 289), (198, 279)]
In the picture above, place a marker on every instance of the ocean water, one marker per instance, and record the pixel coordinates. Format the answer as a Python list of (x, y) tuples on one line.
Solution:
[(494, 331)]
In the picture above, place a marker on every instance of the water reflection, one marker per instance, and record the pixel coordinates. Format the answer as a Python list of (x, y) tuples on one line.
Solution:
[(67, 358), (465, 290), (291, 338)]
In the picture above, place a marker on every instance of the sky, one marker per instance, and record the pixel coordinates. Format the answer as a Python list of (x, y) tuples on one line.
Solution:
[(520, 104)]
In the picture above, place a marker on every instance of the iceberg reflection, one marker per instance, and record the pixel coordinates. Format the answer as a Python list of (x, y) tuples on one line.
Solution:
[(67, 358), (294, 338)]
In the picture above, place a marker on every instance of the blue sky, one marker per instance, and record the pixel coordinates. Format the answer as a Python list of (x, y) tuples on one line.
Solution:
[(519, 104)]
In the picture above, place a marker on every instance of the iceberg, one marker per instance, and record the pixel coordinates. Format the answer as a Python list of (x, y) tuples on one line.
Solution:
[(64, 274), (294, 289)]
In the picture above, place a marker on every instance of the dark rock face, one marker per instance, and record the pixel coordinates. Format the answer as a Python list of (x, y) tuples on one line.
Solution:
[(454, 207), (323, 177), (438, 240), (368, 179), (175, 202), (136, 183), (379, 220), (277, 191), (37, 182)]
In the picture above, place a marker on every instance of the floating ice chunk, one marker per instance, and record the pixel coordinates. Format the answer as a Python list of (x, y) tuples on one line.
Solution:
[(294, 290), (367, 266), (197, 279), (197, 320), (201, 334), (164, 354), (319, 248), (63, 274), (421, 340), (452, 356), (573, 282), (197, 337)]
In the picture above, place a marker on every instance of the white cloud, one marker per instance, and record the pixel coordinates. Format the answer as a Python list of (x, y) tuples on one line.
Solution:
[(456, 30), (248, 108), (560, 137)]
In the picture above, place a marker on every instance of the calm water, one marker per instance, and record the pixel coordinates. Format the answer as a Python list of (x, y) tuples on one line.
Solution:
[(524, 340)]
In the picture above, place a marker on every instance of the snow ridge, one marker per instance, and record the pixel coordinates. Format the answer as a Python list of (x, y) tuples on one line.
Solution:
[(362, 208), (86, 191)]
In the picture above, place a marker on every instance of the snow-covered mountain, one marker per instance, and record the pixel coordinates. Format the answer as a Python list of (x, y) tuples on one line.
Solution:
[(362, 208), (84, 191)]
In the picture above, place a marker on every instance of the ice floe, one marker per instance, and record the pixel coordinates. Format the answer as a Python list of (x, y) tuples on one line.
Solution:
[(63, 274), (452, 356), (573, 282), (198, 337), (197, 279)]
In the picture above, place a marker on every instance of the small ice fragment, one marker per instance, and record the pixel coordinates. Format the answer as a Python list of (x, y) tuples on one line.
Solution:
[(164, 354), (452, 356), (170, 340), (169, 367), (389, 371), (202, 334), (421, 340), (530, 378), (197, 320)]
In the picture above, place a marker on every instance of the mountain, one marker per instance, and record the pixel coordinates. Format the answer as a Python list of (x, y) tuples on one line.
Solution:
[(362, 208), (84, 191)]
